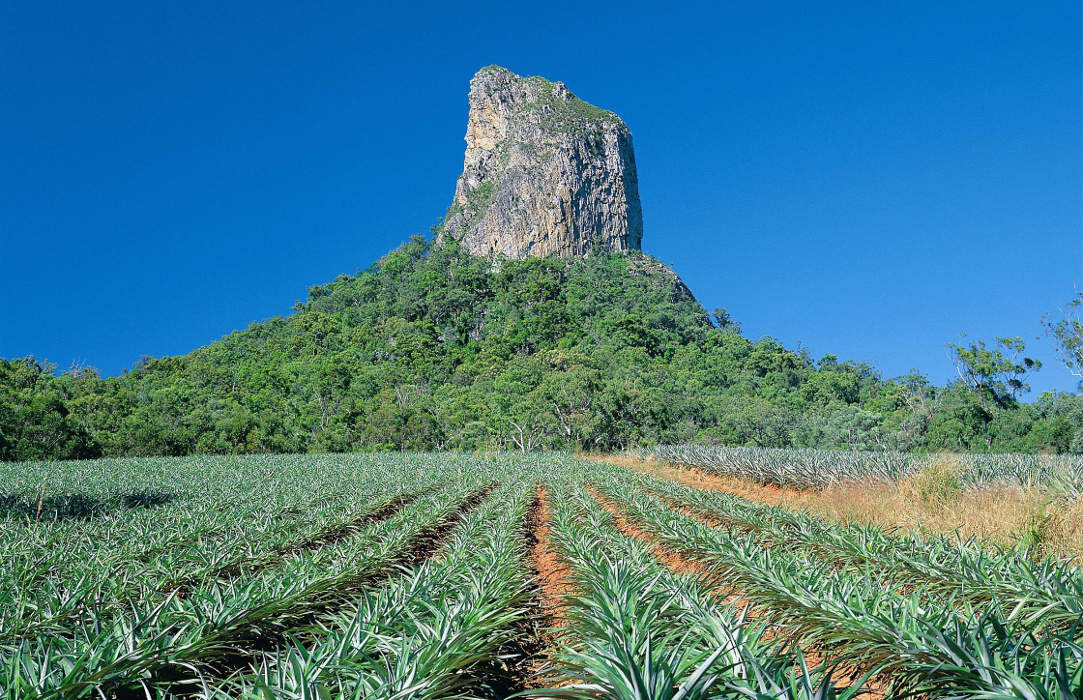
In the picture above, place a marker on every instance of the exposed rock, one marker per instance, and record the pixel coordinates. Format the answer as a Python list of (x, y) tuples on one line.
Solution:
[(545, 173)]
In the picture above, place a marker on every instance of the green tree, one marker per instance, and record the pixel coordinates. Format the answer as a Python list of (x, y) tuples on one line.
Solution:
[(1067, 330), (432, 348), (723, 319), (998, 373)]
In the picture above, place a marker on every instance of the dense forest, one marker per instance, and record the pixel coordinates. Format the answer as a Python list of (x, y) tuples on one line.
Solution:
[(432, 348)]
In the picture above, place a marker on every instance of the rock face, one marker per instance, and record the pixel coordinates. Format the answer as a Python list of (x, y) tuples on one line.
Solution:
[(545, 173)]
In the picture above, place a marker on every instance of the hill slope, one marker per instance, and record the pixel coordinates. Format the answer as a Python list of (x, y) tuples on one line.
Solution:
[(433, 348)]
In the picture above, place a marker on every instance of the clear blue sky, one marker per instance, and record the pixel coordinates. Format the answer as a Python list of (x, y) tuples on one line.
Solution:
[(867, 179)]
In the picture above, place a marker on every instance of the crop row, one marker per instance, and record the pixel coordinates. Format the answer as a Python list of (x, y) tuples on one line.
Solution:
[(199, 629), (432, 632), (1045, 591), (817, 469), (924, 638), (58, 586), (639, 630), (409, 576), (230, 510)]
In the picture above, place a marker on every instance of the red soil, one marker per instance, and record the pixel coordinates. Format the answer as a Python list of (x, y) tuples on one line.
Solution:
[(554, 580), (674, 561), (771, 495), (554, 575)]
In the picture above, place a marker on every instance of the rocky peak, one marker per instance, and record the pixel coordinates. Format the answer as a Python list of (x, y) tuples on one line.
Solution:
[(544, 174)]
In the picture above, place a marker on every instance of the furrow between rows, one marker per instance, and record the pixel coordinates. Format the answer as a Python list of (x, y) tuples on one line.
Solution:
[(423, 546)]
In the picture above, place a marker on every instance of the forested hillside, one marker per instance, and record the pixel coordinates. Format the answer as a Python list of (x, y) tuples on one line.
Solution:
[(432, 348)]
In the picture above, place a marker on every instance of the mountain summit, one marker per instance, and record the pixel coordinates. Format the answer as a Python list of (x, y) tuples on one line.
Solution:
[(545, 173)]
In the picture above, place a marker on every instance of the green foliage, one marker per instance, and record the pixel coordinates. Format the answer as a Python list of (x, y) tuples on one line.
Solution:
[(939, 482), (997, 374), (1036, 532), (937, 617), (409, 576), (36, 420), (432, 348), (477, 202), (1067, 331), (567, 114)]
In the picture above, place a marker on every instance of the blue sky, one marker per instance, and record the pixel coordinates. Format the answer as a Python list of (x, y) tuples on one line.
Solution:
[(865, 179)]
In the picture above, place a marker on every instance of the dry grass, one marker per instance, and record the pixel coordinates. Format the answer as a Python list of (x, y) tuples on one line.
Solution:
[(931, 501)]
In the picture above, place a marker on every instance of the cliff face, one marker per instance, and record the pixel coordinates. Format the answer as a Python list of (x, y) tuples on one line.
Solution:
[(545, 173)]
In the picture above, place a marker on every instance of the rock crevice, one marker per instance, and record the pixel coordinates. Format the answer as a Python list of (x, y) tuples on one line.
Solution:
[(544, 173)]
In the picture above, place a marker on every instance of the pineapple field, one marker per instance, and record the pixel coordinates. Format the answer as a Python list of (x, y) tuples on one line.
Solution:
[(440, 575)]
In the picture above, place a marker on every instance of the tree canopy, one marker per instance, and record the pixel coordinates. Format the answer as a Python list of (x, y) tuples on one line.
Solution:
[(432, 348)]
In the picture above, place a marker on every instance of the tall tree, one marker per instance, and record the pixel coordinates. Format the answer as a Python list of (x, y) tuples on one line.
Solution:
[(1067, 330), (996, 373)]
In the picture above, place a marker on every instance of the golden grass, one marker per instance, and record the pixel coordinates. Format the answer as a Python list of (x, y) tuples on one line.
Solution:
[(930, 501)]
